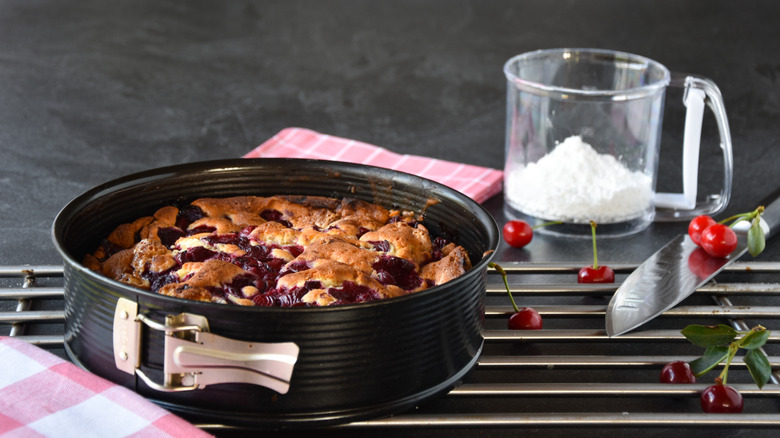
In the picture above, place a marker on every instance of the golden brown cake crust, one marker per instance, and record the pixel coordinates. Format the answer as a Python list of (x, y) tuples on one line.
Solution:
[(278, 251), (407, 242)]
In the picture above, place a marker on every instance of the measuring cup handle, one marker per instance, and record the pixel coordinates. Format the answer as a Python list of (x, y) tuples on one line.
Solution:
[(676, 207)]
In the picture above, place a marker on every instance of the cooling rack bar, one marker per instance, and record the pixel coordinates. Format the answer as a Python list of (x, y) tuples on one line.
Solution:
[(32, 316), (596, 290), (514, 267), (623, 419), (31, 270), (681, 311), (594, 361), (595, 335), (601, 390), (44, 341), (24, 293)]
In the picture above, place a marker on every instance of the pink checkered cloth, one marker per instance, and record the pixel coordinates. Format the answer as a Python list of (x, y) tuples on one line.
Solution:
[(42, 395), (478, 183)]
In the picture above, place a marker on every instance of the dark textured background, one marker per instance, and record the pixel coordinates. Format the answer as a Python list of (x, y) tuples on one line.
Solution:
[(92, 90)]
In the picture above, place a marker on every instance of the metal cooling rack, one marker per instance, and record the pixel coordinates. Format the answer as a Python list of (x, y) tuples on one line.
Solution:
[(570, 374)]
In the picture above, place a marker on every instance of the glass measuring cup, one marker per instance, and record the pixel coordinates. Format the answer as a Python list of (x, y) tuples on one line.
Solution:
[(583, 139)]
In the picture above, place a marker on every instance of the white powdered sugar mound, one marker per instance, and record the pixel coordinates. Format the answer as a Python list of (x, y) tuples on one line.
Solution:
[(574, 183)]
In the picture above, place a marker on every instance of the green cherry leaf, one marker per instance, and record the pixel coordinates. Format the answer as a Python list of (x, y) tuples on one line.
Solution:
[(756, 238), (759, 367), (711, 358), (709, 336), (754, 339)]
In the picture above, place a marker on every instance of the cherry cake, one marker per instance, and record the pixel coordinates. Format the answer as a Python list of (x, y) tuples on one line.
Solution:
[(285, 251)]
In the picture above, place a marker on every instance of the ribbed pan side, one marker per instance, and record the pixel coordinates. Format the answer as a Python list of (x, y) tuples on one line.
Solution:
[(356, 361)]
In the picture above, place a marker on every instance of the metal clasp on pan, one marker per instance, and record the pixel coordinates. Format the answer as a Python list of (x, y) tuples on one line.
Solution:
[(196, 358)]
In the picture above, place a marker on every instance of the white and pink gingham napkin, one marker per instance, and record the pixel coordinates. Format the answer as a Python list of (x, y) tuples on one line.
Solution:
[(478, 183), (42, 395)]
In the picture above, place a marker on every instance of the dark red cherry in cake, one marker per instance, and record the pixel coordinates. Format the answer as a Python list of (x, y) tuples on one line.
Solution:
[(595, 273), (721, 399), (677, 372)]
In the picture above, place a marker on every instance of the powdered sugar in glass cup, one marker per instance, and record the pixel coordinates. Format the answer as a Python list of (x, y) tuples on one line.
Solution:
[(583, 138)]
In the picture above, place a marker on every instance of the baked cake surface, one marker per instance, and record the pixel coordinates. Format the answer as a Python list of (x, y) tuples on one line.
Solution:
[(279, 251)]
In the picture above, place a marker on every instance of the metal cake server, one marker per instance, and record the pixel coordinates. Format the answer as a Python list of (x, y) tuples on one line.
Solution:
[(672, 274)]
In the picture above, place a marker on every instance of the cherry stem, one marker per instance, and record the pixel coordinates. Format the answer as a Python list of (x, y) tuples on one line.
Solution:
[(737, 218), (595, 252), (732, 352), (546, 224), (501, 271)]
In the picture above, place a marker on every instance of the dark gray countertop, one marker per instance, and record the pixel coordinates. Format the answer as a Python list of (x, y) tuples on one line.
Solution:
[(93, 90)]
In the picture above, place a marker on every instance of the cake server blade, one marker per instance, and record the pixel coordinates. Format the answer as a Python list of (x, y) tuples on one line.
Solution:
[(672, 274)]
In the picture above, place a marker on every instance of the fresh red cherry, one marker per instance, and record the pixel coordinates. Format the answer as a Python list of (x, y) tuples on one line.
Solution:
[(518, 233), (677, 372), (697, 225), (526, 318), (718, 240), (602, 274), (595, 273), (721, 399)]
